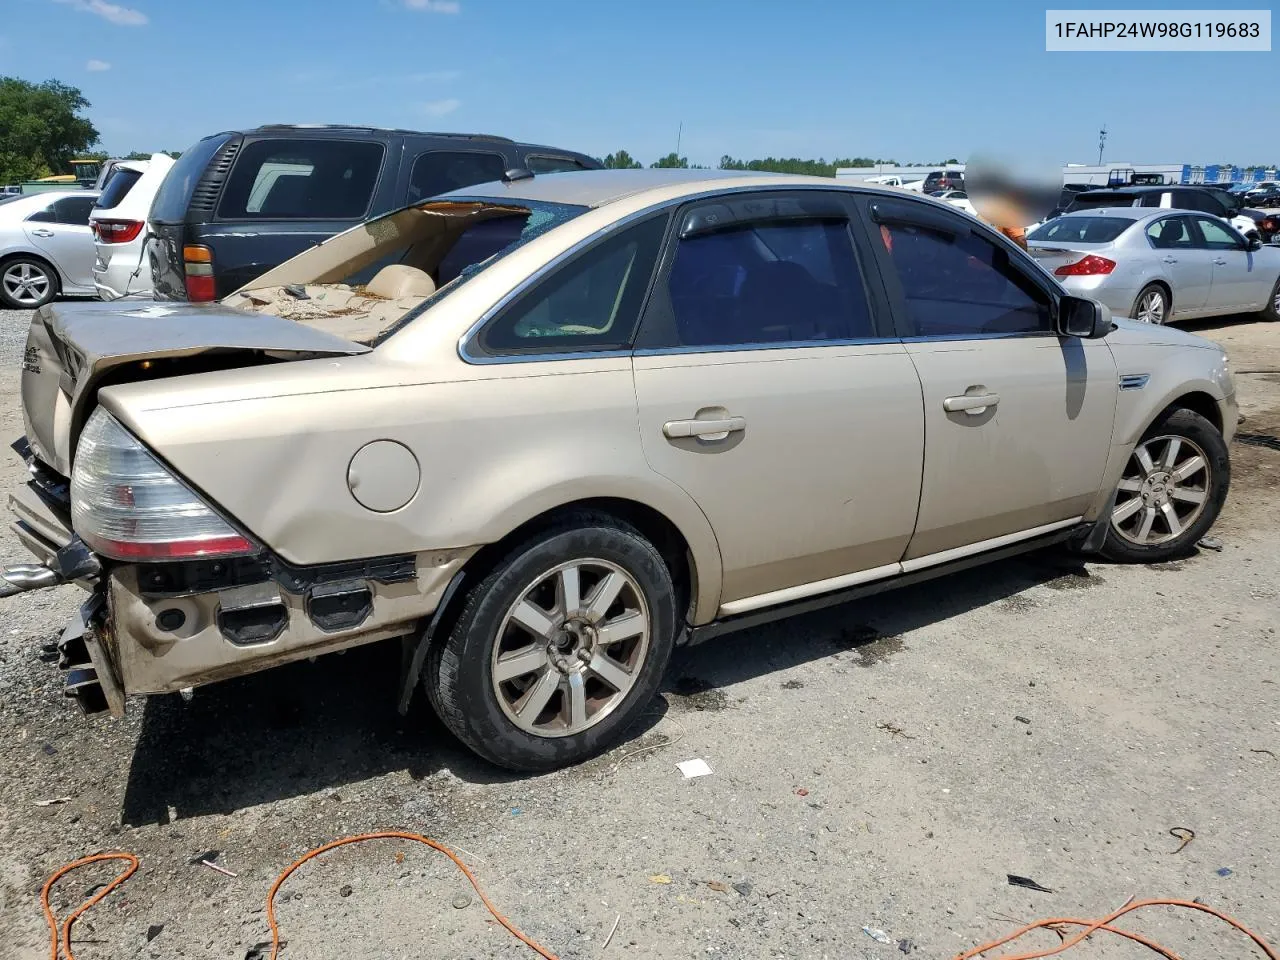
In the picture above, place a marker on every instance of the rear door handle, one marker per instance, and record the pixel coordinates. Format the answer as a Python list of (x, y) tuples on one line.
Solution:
[(42, 233), (1169, 259), (1219, 261), (970, 403), (706, 429)]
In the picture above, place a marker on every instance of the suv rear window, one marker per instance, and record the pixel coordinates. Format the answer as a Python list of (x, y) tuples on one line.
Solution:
[(302, 180), (170, 205), (1082, 229), (1102, 198), (118, 187)]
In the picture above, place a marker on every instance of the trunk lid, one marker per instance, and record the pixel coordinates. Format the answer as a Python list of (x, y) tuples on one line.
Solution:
[(75, 348), (1052, 255)]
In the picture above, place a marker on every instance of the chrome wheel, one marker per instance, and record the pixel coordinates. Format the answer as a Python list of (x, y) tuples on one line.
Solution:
[(26, 283), (1163, 491), (571, 648), (1152, 307)]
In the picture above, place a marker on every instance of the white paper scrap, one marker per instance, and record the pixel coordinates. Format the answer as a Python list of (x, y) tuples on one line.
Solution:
[(696, 767)]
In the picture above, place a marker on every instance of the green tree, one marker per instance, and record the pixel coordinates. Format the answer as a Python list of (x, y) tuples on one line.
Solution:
[(41, 129), (621, 161), (671, 161)]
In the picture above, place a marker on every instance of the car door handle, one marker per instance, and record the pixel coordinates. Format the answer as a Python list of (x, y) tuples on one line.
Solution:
[(1169, 259), (1219, 261), (970, 403), (42, 233), (706, 429)]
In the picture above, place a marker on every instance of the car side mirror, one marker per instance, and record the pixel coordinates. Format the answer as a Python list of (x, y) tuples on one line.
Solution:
[(1084, 318), (1253, 243)]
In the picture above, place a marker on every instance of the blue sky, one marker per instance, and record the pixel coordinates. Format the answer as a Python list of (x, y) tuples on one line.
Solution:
[(909, 79)]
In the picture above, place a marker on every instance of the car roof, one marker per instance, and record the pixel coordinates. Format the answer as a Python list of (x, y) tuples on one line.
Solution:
[(596, 188), (1125, 213), (37, 200)]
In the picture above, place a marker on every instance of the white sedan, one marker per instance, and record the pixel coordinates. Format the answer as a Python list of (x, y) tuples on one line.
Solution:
[(45, 247)]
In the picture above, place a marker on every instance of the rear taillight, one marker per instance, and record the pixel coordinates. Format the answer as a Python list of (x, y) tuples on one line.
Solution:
[(126, 504), (117, 231), (1090, 266), (197, 262), (1268, 223)]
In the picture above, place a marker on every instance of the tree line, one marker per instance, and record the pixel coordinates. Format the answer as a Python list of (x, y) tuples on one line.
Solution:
[(622, 160)]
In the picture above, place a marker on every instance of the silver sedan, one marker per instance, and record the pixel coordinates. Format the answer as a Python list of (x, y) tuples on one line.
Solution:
[(1159, 265), (46, 248)]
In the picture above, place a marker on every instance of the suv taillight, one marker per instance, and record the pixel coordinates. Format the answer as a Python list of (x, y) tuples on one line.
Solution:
[(1090, 266), (117, 231), (197, 264), (126, 504)]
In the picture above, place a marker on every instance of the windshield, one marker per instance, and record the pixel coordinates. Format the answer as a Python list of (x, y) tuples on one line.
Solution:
[(1082, 229)]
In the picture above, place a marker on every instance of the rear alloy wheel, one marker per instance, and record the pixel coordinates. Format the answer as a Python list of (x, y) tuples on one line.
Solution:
[(1152, 305), (1272, 310), (555, 653), (1172, 490), (26, 283)]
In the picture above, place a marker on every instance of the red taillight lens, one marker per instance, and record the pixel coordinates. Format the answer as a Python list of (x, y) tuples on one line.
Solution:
[(1090, 266), (198, 264), (1268, 223), (117, 231)]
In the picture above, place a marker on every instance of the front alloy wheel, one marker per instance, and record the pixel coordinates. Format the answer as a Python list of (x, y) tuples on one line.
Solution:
[(1172, 490)]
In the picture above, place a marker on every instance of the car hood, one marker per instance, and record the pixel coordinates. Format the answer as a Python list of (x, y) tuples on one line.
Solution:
[(1136, 333), (75, 348)]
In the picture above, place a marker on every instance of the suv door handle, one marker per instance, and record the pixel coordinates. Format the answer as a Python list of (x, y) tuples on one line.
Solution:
[(42, 232), (706, 429), (1169, 259), (973, 404)]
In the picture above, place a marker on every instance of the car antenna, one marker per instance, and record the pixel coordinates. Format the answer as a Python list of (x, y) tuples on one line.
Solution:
[(517, 173)]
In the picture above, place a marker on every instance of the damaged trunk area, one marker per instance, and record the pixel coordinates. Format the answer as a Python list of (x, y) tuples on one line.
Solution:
[(359, 285)]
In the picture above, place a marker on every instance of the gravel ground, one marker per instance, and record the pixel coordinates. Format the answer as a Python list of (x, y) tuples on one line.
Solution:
[(883, 764)]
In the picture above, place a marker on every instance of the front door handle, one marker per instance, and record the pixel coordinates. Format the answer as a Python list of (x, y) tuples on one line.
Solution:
[(42, 232), (1169, 259), (705, 429), (973, 404), (1219, 261)]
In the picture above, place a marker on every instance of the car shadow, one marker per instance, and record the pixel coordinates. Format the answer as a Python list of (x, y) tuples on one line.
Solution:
[(1216, 323), (314, 726)]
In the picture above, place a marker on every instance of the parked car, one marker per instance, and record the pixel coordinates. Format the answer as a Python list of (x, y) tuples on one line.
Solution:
[(1264, 196), (1205, 199), (45, 247), (943, 180), (119, 221), (1160, 265), (578, 420), (241, 202)]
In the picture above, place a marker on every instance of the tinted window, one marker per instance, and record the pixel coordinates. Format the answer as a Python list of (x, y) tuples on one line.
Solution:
[(1217, 235), (961, 285), (74, 210), (42, 216), (302, 180), (1082, 229), (118, 187), (442, 171), (592, 303), (1170, 233), (551, 164), (1200, 200), (782, 282), (170, 205)]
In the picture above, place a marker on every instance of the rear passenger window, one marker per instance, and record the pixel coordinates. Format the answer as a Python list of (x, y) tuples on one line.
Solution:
[(302, 180), (782, 282), (962, 284), (1171, 233), (441, 171), (537, 164), (74, 210), (592, 303)]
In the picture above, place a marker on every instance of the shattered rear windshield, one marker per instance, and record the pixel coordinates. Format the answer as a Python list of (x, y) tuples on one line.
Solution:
[(486, 242)]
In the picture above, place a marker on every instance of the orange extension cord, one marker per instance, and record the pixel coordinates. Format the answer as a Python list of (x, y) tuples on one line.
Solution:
[(1092, 926), (61, 933)]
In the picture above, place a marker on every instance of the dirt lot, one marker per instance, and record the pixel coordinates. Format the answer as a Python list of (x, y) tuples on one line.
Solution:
[(887, 764)]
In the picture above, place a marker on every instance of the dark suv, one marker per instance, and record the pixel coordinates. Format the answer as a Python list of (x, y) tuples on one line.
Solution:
[(944, 180), (1206, 200), (237, 204)]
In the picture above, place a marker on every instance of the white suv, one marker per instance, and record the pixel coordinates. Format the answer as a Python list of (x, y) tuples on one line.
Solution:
[(119, 222)]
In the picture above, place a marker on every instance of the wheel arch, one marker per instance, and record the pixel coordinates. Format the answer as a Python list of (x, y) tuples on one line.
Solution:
[(1166, 287)]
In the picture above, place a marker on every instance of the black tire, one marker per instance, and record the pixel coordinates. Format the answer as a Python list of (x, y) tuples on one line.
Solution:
[(1272, 310), (1165, 298), (34, 265), (1191, 426), (457, 677)]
